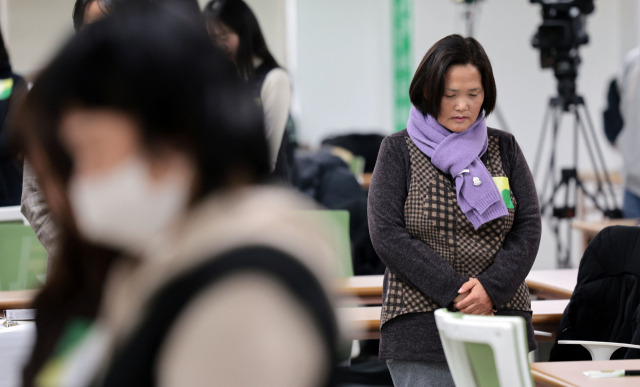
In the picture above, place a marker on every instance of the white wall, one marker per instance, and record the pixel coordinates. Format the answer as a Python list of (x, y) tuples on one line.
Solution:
[(344, 67), (37, 28), (275, 30)]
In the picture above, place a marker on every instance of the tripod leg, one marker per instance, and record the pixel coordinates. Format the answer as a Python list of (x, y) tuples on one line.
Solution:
[(551, 177), (590, 131), (541, 140), (563, 252), (565, 261)]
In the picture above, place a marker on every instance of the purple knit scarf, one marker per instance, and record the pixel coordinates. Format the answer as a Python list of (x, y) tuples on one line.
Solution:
[(458, 154)]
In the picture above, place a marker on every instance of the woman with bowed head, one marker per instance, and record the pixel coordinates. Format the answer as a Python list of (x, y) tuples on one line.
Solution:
[(453, 213), (234, 28), (176, 189)]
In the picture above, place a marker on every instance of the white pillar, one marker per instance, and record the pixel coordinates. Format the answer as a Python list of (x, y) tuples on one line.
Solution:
[(291, 52), (4, 22)]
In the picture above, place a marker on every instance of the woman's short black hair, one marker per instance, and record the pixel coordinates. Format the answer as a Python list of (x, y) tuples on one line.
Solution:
[(150, 61), (427, 86), (237, 15)]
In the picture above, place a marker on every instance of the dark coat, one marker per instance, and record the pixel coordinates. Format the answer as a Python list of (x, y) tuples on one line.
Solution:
[(10, 168), (604, 304)]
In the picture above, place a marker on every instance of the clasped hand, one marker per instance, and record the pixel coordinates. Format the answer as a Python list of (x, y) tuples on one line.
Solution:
[(473, 299)]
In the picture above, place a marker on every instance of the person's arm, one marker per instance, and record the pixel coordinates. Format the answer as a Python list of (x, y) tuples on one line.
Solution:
[(34, 207), (514, 260), (276, 99), (247, 330), (412, 260)]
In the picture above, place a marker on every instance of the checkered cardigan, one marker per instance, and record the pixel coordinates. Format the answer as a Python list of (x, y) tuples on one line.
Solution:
[(433, 216)]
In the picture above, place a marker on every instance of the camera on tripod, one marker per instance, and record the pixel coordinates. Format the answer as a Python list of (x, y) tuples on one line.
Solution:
[(558, 38)]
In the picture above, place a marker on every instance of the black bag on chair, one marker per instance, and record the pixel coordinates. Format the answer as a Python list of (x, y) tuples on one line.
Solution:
[(605, 303), (612, 116)]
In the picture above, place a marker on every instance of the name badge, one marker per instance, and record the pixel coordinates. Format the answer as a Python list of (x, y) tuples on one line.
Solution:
[(502, 182)]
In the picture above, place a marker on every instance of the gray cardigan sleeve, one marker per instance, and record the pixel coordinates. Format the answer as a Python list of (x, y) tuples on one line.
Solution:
[(36, 210), (514, 260), (413, 261)]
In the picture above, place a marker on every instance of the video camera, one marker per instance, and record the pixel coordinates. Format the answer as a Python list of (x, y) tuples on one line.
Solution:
[(558, 37)]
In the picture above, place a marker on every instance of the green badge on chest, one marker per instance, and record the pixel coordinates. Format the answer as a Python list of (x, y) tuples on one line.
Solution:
[(502, 183)]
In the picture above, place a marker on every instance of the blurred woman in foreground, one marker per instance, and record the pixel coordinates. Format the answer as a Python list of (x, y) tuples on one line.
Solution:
[(218, 274)]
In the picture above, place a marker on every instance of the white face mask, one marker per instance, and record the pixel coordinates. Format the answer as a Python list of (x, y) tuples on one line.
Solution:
[(125, 207)]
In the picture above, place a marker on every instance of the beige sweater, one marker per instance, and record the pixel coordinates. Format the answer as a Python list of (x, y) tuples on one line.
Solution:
[(245, 330)]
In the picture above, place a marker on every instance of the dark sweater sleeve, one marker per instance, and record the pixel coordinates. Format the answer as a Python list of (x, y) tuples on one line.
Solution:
[(514, 260), (413, 261)]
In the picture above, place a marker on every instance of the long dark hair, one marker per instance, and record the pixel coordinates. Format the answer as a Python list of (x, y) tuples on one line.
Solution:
[(107, 6), (77, 271), (162, 70), (237, 15)]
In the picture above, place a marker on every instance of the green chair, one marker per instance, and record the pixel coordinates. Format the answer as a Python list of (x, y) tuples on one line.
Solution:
[(356, 166), (485, 351), (23, 260), (335, 225), (356, 163)]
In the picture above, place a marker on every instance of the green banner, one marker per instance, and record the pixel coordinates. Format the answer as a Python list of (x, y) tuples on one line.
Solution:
[(402, 32)]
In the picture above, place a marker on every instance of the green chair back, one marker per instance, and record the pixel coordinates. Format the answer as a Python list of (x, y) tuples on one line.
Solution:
[(485, 351), (356, 166), (483, 364), (335, 225), (23, 260)]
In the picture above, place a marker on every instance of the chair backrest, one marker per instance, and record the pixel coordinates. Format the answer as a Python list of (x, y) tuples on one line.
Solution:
[(11, 213), (356, 166), (485, 351), (335, 225), (23, 260)]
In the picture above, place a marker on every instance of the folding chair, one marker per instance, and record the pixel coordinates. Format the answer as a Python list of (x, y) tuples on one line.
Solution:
[(485, 351)]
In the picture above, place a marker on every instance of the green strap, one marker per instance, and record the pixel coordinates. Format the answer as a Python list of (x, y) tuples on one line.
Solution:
[(402, 26)]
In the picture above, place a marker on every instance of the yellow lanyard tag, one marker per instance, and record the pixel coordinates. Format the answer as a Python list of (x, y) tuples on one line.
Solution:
[(502, 182)]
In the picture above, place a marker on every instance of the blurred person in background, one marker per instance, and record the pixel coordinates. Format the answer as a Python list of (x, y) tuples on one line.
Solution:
[(622, 128), (204, 248), (234, 28)]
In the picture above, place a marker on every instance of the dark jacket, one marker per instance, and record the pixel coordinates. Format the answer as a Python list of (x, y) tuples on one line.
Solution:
[(10, 167), (604, 304)]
